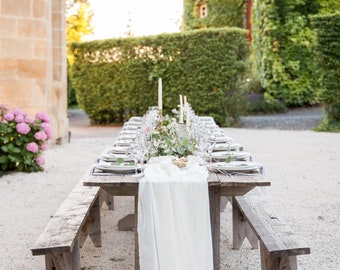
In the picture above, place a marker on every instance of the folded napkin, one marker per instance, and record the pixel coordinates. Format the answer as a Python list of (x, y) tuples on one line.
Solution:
[(174, 229)]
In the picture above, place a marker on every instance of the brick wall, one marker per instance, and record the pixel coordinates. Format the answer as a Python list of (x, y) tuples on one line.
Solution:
[(33, 59)]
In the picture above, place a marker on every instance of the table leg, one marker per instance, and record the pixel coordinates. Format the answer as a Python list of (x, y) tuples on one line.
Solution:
[(136, 235), (214, 199)]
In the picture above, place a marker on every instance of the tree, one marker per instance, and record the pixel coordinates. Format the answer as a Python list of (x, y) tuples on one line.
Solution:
[(78, 25), (329, 6), (78, 22)]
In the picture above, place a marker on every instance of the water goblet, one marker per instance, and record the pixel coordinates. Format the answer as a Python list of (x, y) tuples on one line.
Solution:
[(134, 151)]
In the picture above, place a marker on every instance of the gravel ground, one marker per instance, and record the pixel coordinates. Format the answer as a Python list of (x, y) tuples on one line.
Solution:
[(302, 165)]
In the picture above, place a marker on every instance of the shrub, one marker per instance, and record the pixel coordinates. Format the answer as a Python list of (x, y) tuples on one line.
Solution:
[(22, 140), (115, 79)]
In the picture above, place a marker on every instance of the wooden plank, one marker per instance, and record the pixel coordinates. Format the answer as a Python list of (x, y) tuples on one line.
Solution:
[(60, 235), (278, 238)]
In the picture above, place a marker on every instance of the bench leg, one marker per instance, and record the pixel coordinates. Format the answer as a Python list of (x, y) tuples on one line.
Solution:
[(92, 226), (64, 261), (107, 198), (276, 263), (241, 229)]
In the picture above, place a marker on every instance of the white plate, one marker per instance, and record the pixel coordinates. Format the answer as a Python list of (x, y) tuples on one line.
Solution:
[(127, 136), (121, 168), (226, 147), (207, 118), (119, 149), (124, 142), (114, 157), (236, 166), (223, 155), (223, 139), (128, 132)]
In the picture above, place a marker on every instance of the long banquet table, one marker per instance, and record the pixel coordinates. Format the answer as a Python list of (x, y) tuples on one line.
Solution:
[(219, 185)]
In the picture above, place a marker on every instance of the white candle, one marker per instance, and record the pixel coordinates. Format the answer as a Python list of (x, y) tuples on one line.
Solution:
[(180, 109), (160, 102), (187, 113)]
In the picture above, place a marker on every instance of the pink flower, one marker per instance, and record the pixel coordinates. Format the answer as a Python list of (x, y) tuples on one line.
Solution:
[(48, 129), (42, 116), (40, 160), (9, 116), (40, 135), (17, 112), (32, 147), (23, 128), (29, 119), (43, 146), (20, 118), (3, 107)]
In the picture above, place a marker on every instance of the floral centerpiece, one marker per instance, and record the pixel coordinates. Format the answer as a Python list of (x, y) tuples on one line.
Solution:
[(171, 139), (22, 140)]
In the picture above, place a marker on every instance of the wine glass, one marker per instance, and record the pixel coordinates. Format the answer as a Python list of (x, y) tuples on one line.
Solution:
[(211, 142), (134, 151)]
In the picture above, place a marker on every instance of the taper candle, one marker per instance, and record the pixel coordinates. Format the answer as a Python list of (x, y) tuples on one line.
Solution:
[(180, 109), (160, 90)]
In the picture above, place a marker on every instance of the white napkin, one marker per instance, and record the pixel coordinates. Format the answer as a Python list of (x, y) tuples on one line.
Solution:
[(174, 229)]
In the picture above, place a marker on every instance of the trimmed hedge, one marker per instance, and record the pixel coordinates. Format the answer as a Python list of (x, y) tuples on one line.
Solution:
[(117, 78), (282, 50), (328, 51)]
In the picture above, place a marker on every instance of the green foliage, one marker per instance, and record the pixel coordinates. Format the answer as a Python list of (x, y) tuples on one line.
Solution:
[(282, 50), (117, 78), (329, 6), (78, 25), (328, 60), (22, 140), (221, 13)]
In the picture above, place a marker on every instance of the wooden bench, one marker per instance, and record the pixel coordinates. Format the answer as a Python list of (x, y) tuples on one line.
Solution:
[(279, 245), (77, 218)]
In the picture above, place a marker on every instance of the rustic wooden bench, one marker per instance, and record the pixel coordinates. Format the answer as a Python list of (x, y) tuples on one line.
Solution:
[(77, 218), (279, 245)]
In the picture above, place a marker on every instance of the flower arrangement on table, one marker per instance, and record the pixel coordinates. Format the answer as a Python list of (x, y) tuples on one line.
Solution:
[(22, 140), (171, 139)]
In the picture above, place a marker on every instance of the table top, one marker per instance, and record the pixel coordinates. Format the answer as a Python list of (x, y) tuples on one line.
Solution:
[(229, 185)]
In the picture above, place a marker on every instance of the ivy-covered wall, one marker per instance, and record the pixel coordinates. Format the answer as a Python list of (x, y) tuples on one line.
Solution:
[(117, 78), (283, 59), (328, 62), (221, 13)]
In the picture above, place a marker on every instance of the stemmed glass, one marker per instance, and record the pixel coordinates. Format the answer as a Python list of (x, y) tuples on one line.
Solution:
[(135, 152), (211, 142)]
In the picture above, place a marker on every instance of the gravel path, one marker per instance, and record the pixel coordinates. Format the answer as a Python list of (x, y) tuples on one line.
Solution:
[(302, 165)]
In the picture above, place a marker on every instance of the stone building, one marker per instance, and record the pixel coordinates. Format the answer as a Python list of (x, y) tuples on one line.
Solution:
[(33, 59)]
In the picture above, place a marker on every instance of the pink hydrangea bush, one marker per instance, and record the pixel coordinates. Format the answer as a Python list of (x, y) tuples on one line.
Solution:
[(22, 140)]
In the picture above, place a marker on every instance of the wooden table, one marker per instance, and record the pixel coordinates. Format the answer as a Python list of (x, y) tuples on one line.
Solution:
[(219, 185)]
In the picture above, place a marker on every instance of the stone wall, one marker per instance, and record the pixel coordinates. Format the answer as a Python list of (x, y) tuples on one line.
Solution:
[(33, 59)]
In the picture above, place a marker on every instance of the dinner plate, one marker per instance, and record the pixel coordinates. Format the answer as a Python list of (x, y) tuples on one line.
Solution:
[(207, 118), (223, 139), (235, 166), (119, 149), (227, 146), (124, 142), (223, 155), (114, 157), (125, 167), (128, 132), (127, 136)]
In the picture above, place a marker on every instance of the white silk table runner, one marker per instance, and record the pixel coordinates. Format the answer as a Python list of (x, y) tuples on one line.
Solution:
[(174, 231)]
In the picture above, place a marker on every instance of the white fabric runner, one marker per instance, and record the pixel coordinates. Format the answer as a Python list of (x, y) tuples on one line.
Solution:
[(174, 229)]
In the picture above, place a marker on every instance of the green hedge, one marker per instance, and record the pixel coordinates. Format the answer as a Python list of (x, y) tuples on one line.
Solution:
[(282, 47), (328, 51), (117, 78)]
